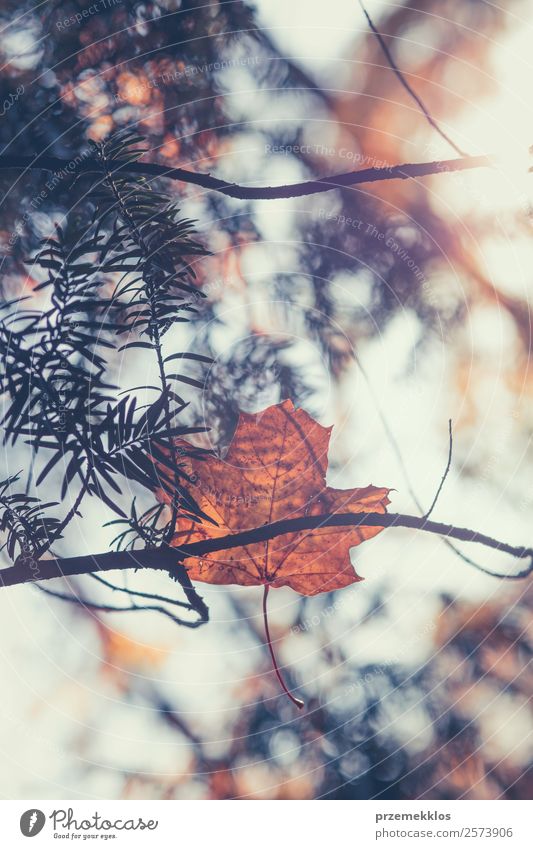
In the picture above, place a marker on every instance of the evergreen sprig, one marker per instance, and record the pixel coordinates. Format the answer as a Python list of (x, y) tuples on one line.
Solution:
[(127, 272), (24, 525)]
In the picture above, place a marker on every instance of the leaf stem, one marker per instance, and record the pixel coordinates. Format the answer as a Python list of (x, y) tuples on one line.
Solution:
[(298, 702)]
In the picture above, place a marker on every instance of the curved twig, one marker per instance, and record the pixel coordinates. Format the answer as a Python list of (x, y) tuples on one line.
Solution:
[(139, 594), (112, 608)]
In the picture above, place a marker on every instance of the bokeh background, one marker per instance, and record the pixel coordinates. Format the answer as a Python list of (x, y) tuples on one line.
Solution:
[(417, 681)]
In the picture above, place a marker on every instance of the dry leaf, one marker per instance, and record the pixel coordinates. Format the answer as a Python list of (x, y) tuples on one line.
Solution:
[(275, 469)]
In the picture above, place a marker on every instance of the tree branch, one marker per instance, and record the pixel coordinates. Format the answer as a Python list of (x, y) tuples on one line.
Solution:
[(170, 559), (234, 190)]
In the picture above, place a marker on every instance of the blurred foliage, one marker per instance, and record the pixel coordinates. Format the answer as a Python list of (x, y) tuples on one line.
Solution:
[(171, 70)]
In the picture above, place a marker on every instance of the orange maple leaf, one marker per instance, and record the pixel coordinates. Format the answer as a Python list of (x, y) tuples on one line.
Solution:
[(275, 469)]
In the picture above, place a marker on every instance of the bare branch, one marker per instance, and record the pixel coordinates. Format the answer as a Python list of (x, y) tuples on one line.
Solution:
[(234, 190), (171, 559)]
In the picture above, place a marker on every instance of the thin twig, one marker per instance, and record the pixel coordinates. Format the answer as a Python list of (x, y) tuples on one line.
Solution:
[(445, 475), (74, 509), (410, 91), (138, 594), (401, 462), (111, 608)]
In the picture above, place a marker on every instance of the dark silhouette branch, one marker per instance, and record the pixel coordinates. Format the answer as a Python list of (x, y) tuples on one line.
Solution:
[(234, 190), (171, 559)]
